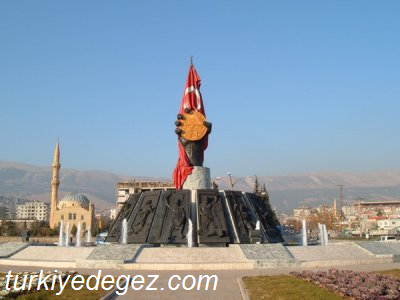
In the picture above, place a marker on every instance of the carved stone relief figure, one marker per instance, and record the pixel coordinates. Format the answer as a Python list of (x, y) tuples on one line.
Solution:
[(209, 214), (142, 217), (178, 217), (241, 212), (248, 222), (125, 212)]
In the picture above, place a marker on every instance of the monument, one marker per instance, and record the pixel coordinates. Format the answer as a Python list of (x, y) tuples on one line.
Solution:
[(194, 214)]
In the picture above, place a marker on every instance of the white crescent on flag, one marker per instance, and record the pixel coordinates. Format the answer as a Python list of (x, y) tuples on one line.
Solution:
[(191, 89)]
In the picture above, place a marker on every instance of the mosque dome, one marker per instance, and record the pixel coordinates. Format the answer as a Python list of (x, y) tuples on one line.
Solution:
[(74, 200)]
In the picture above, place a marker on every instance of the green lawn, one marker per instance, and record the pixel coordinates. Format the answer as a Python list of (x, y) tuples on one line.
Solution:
[(286, 287), (394, 272), (68, 293)]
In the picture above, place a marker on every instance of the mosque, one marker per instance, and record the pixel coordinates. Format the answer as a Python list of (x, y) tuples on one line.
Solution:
[(74, 208)]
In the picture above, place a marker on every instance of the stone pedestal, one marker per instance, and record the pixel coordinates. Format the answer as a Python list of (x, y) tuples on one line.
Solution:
[(218, 217), (198, 180)]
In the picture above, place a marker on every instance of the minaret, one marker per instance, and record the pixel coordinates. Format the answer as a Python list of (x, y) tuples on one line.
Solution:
[(55, 182)]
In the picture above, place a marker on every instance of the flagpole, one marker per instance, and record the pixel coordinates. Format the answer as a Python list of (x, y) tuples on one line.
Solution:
[(191, 60)]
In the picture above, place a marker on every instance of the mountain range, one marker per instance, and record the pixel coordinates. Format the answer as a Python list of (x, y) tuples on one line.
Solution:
[(286, 191)]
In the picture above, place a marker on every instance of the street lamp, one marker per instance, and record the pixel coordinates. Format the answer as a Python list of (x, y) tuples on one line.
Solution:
[(230, 180), (232, 183)]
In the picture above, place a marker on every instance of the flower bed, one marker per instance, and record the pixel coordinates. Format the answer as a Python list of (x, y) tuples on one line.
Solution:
[(358, 285)]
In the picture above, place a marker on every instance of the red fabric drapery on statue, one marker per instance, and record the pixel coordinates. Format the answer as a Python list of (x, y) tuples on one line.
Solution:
[(192, 100)]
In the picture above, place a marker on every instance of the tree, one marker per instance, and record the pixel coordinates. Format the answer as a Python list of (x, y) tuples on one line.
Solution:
[(95, 228), (294, 224), (54, 231), (108, 224), (35, 228), (74, 229), (270, 212), (214, 186), (264, 193), (323, 216), (2, 228), (11, 228), (44, 229), (256, 186)]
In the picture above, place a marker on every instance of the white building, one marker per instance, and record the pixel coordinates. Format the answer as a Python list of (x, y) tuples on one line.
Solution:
[(34, 211), (303, 212), (349, 210), (127, 188), (113, 214), (388, 224)]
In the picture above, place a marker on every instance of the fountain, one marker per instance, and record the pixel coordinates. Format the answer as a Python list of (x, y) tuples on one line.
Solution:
[(67, 235), (88, 236), (189, 234), (325, 235), (304, 232), (60, 238), (78, 235), (124, 231), (320, 234)]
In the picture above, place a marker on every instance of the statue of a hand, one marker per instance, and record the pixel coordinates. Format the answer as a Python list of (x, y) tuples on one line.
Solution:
[(193, 149)]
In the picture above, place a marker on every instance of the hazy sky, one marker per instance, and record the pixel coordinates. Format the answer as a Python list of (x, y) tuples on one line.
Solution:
[(290, 86)]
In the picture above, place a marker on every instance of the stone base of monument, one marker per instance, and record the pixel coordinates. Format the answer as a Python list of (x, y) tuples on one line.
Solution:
[(88, 244), (214, 245), (199, 179), (255, 236), (216, 218), (172, 245)]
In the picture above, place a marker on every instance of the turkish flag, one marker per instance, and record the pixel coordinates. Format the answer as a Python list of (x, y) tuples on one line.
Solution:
[(192, 100), (191, 94)]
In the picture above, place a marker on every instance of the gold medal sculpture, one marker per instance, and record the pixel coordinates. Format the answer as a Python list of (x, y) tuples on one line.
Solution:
[(192, 126)]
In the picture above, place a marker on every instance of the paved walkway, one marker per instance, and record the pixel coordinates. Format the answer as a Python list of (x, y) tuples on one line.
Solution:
[(227, 263), (381, 248), (227, 287), (329, 252), (9, 249), (144, 257), (49, 253)]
